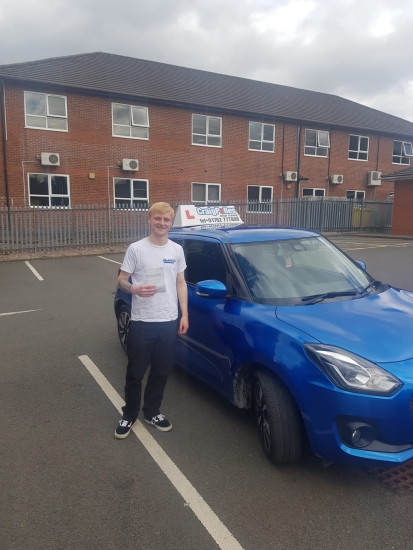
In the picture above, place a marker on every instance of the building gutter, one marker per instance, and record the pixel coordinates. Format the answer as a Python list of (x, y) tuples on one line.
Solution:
[(4, 136)]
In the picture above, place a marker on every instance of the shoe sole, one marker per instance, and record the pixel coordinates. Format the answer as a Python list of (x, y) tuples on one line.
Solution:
[(168, 429)]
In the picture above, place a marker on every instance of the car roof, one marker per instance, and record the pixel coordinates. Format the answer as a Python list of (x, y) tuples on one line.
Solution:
[(244, 233)]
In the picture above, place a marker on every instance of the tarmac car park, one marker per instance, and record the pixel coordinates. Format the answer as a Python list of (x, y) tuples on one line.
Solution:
[(284, 322)]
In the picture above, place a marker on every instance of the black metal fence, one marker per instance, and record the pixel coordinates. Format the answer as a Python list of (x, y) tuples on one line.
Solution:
[(33, 229)]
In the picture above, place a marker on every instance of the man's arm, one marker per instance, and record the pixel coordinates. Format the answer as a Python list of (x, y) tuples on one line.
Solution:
[(145, 291), (182, 292)]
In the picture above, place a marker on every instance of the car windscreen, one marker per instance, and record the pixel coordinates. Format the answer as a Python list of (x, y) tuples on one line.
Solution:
[(285, 272)]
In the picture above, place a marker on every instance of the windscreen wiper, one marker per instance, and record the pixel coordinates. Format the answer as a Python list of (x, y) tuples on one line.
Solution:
[(324, 296), (369, 287)]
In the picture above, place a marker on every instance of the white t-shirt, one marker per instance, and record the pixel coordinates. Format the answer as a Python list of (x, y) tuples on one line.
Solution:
[(160, 265)]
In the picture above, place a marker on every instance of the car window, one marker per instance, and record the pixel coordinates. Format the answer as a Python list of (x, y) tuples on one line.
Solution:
[(204, 261)]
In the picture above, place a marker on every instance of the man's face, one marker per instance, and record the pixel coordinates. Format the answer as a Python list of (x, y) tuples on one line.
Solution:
[(160, 223)]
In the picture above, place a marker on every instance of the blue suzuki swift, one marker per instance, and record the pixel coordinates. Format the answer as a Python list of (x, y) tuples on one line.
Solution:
[(284, 322)]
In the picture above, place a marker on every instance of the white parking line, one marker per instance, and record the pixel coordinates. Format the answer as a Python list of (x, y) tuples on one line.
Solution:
[(203, 512), (108, 260), (34, 271), (16, 312)]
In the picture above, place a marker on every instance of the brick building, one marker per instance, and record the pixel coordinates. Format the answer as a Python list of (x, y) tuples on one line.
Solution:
[(100, 128)]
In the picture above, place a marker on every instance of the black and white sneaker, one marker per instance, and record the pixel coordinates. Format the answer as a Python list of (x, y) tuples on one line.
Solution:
[(123, 428), (160, 423)]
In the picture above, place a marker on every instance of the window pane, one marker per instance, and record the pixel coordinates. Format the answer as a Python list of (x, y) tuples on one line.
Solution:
[(204, 261), (198, 192), (122, 188), (140, 116), (57, 105), (267, 146), (308, 192), (354, 144), (364, 144), (60, 201), (213, 192), (405, 160), (408, 149), (38, 184), (140, 205), (363, 156), (256, 145), (322, 152), (139, 132), (121, 114), (352, 155), (214, 126), (35, 103), (268, 132), (199, 139), (350, 194), (139, 189), (121, 130), (310, 150), (122, 203), (311, 138), (253, 192), (266, 193), (58, 185), (255, 130), (397, 148), (36, 121), (212, 140), (360, 195), (199, 124), (56, 123), (39, 201), (323, 139), (319, 192)]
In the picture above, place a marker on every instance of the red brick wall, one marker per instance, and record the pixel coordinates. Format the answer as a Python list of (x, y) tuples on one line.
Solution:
[(403, 208), (169, 161)]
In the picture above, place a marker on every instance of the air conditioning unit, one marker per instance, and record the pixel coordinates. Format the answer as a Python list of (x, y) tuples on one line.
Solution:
[(373, 178), (290, 176), (131, 165), (337, 179), (50, 159)]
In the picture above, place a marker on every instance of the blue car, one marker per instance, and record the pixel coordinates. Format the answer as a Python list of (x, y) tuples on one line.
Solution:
[(283, 322)]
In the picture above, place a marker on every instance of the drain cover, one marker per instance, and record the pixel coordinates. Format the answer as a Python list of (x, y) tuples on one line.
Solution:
[(398, 479)]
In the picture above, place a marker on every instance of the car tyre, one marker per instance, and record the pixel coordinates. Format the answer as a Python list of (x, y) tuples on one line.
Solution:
[(123, 318), (279, 419)]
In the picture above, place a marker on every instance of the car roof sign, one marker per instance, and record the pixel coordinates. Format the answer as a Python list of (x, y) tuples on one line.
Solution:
[(190, 215)]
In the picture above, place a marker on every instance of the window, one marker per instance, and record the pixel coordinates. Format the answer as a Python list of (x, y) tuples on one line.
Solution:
[(317, 143), (130, 121), (402, 151), (313, 192), (261, 137), (358, 148), (45, 111), (130, 193), (48, 190), (355, 195), (206, 192), (259, 198), (206, 130), (204, 261)]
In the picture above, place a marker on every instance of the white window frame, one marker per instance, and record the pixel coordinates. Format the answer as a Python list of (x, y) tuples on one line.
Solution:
[(260, 206), (49, 195), (356, 192), (47, 115), (358, 148), (206, 201), (405, 155), (131, 124), (314, 189), (208, 117), (129, 200), (317, 146), (261, 150)]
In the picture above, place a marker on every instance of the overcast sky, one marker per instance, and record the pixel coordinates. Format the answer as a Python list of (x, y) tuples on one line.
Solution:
[(358, 49)]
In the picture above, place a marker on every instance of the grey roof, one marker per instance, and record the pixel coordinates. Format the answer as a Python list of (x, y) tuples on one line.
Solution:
[(406, 174), (125, 76)]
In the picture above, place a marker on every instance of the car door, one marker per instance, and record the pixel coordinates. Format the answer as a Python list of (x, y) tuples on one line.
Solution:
[(206, 348)]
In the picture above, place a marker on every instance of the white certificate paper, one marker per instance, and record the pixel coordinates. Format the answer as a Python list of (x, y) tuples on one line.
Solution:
[(156, 276)]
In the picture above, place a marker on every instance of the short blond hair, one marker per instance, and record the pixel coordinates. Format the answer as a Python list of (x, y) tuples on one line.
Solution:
[(161, 208)]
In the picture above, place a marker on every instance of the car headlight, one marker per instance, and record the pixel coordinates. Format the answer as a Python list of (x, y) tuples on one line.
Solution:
[(351, 372)]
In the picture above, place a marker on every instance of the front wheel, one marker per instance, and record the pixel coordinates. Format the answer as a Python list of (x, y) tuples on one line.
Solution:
[(123, 326), (278, 417)]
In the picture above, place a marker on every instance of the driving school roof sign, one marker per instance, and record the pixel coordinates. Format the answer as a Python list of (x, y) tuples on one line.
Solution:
[(188, 215)]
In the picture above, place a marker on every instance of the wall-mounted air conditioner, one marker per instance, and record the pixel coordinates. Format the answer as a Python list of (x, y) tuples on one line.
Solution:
[(337, 179), (373, 178), (50, 159), (131, 165), (290, 176)]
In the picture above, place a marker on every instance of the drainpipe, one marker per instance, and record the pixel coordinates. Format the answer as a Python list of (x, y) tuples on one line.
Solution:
[(4, 132), (297, 187)]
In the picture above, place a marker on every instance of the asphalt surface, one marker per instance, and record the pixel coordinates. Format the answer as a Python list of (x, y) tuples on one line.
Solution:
[(67, 483)]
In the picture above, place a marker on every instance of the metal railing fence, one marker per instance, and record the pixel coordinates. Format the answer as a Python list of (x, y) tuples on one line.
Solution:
[(34, 229)]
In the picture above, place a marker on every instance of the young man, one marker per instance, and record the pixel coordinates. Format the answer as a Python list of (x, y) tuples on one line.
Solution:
[(157, 267)]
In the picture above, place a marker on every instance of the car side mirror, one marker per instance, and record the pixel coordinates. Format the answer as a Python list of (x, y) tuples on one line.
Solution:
[(361, 264), (211, 289)]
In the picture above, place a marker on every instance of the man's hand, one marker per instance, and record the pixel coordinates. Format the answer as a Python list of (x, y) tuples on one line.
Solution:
[(183, 324), (144, 291)]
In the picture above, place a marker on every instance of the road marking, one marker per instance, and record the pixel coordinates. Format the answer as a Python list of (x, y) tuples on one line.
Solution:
[(203, 512), (108, 260), (16, 312), (34, 271), (375, 246)]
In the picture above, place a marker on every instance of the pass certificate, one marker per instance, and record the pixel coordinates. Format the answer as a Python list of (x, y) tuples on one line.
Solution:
[(155, 276)]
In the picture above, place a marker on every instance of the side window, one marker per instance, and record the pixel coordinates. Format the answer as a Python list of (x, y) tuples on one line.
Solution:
[(204, 261)]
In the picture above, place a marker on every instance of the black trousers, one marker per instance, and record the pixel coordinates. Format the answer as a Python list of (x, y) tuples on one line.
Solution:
[(154, 344)]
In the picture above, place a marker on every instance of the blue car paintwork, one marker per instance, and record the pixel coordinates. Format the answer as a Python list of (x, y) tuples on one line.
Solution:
[(226, 334)]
